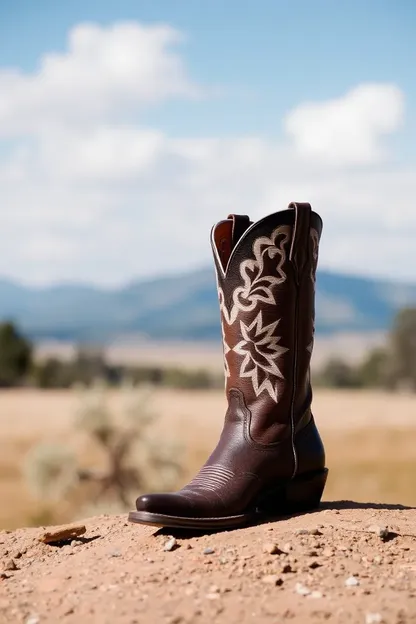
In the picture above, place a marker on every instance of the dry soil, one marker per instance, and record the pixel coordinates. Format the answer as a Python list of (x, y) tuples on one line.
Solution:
[(338, 564)]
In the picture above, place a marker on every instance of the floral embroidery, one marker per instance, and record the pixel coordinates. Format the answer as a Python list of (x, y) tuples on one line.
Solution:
[(314, 263), (258, 287), (315, 245)]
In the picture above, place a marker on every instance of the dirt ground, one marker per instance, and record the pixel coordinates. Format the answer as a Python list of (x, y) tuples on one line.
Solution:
[(338, 564)]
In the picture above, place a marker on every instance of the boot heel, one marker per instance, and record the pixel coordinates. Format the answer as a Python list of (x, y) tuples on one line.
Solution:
[(303, 493)]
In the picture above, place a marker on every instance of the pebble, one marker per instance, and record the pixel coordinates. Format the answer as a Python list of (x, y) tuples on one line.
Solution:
[(352, 581), (381, 531), (11, 565), (116, 553), (373, 618), (33, 619), (62, 533), (308, 532), (208, 551), (213, 596), (302, 590), (316, 595), (272, 549), (272, 579), (170, 545)]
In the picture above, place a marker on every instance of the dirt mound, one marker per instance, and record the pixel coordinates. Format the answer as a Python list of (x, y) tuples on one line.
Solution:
[(343, 563)]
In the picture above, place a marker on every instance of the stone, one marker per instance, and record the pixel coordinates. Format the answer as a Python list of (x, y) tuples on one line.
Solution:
[(313, 531), (272, 549), (316, 595), (381, 531), (208, 551), (11, 566), (373, 618), (62, 533), (352, 581), (170, 545), (302, 590)]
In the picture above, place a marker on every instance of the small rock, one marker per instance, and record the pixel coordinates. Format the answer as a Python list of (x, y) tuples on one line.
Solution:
[(314, 531), (115, 553), (62, 533), (287, 547), (328, 552), (381, 531), (11, 565), (352, 581), (315, 594), (208, 551), (287, 568), (373, 618), (272, 549), (272, 579), (302, 590), (170, 545), (4, 576), (33, 619), (213, 596)]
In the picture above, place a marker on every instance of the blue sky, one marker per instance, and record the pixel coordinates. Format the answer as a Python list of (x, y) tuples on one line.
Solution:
[(251, 77)]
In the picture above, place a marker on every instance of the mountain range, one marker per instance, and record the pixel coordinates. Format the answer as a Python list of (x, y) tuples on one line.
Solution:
[(184, 307)]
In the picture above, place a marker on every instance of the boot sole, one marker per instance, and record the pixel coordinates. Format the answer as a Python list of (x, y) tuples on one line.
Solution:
[(301, 494)]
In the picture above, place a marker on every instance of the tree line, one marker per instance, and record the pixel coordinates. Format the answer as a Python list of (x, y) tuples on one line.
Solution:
[(20, 368), (391, 367)]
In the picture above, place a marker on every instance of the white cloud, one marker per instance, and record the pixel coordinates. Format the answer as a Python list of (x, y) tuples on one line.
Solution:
[(88, 193), (107, 73), (349, 129)]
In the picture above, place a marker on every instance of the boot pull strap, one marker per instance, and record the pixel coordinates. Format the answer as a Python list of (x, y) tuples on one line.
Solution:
[(240, 224), (299, 250)]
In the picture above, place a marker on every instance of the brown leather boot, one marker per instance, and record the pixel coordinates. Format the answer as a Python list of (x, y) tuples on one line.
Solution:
[(270, 459)]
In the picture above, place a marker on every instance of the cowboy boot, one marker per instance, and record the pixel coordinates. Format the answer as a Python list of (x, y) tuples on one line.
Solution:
[(270, 459)]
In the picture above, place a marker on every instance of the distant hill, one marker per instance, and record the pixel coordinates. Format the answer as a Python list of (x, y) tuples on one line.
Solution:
[(184, 307)]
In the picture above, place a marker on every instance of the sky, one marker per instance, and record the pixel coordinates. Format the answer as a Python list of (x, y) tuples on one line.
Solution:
[(128, 127)]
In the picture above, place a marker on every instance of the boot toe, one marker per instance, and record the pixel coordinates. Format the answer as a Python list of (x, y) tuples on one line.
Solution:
[(165, 504)]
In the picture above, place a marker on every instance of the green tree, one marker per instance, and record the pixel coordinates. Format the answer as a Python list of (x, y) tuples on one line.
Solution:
[(373, 371), (402, 364), (338, 374), (15, 356)]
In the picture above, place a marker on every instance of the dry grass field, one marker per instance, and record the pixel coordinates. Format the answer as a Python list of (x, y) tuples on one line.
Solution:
[(370, 440)]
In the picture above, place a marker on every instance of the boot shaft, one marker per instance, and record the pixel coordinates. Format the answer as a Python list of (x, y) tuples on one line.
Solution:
[(266, 289)]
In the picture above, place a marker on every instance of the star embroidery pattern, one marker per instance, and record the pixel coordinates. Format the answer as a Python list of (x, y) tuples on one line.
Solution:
[(261, 353)]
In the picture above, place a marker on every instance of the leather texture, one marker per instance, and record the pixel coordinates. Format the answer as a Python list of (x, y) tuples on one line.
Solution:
[(266, 288)]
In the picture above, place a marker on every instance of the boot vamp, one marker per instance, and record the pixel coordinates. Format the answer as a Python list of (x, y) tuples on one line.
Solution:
[(230, 482)]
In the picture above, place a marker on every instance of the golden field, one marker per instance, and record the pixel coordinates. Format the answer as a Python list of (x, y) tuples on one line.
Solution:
[(370, 439)]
